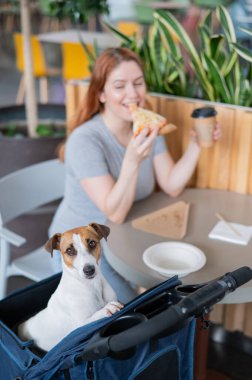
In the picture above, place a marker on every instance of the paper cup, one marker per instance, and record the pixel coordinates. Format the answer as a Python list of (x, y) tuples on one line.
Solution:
[(204, 121)]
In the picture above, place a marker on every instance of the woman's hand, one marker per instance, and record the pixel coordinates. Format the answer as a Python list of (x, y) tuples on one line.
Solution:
[(217, 133), (140, 147)]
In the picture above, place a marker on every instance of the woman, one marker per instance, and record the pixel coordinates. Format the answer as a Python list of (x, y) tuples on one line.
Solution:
[(107, 168)]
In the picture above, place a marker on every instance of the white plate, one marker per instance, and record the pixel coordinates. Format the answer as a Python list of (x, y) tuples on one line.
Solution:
[(174, 258)]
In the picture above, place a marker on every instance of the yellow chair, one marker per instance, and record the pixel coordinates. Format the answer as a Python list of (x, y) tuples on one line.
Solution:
[(129, 28), (40, 70), (75, 61)]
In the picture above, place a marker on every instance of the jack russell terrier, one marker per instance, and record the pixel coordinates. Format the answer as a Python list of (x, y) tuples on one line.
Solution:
[(82, 296)]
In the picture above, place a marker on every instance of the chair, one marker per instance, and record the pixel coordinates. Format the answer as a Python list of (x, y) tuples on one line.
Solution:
[(129, 28), (75, 61), (40, 70), (21, 192)]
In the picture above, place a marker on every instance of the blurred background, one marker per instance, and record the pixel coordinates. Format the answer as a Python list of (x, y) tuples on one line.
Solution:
[(229, 354)]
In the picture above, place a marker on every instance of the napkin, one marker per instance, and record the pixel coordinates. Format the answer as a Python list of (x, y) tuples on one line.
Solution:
[(170, 221), (222, 232)]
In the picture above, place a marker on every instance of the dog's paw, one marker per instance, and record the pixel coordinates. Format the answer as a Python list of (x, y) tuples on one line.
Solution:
[(112, 307)]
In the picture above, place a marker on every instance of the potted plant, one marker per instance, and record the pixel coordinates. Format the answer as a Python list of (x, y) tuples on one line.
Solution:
[(215, 74)]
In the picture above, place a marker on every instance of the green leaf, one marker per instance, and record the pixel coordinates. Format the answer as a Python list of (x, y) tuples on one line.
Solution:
[(229, 31), (50, 130), (167, 19), (44, 130), (172, 76), (226, 23), (216, 45), (168, 39), (205, 39), (219, 80), (246, 30), (245, 93), (229, 63), (119, 34), (149, 72), (155, 48), (207, 20), (182, 75), (230, 84), (243, 52), (10, 130), (221, 59), (91, 56)]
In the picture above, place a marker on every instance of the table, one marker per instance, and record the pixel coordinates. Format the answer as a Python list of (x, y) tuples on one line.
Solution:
[(127, 244), (102, 39)]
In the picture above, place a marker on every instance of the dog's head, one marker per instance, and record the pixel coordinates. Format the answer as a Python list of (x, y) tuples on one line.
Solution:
[(80, 248)]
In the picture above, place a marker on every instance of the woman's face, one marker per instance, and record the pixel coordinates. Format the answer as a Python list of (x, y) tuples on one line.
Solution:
[(125, 85)]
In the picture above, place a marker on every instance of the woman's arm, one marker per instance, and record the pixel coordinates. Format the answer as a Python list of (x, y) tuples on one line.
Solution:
[(171, 177), (115, 198)]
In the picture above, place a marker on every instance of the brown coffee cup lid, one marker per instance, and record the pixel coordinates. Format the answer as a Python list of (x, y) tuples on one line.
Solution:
[(203, 112)]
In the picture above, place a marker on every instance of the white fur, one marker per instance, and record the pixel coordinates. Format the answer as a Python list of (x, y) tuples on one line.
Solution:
[(77, 301)]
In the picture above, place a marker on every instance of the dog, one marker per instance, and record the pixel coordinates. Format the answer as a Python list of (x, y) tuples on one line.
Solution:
[(82, 296)]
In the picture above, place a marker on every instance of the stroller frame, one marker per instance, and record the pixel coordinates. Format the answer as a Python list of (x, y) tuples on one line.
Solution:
[(151, 337)]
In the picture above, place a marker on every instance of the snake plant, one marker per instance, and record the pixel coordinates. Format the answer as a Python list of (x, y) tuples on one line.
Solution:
[(216, 65), (164, 67), (220, 68)]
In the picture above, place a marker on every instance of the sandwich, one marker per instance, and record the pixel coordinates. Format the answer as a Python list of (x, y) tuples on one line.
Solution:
[(143, 118)]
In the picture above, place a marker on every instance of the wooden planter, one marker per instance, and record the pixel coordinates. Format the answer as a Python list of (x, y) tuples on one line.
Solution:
[(226, 166)]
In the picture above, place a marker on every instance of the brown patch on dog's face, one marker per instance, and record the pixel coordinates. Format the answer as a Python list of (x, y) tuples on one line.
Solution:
[(90, 242), (80, 248), (68, 252)]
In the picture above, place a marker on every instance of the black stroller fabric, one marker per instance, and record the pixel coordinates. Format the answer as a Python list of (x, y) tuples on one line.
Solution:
[(167, 357)]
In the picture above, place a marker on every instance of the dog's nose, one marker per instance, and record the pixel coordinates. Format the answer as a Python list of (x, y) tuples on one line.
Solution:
[(89, 270)]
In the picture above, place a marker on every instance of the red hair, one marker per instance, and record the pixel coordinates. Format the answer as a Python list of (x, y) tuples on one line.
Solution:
[(104, 65)]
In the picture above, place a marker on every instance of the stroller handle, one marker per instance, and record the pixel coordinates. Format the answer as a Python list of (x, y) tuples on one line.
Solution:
[(195, 304)]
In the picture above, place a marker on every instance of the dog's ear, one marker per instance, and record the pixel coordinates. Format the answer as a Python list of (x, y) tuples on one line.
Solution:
[(53, 243), (100, 229)]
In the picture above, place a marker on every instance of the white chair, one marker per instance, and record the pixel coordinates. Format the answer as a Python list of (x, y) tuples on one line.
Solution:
[(21, 192)]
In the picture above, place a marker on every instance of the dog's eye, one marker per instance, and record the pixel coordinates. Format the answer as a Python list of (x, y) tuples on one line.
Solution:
[(92, 244), (71, 251)]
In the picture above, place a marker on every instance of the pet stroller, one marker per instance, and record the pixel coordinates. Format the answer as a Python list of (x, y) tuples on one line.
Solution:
[(151, 337)]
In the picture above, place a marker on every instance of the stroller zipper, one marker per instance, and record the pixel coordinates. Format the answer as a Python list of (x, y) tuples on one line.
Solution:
[(90, 370)]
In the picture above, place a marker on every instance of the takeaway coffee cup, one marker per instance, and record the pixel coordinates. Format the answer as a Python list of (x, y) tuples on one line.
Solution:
[(204, 121)]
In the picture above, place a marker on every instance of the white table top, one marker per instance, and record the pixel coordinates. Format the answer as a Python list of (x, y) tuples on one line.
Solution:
[(102, 39), (127, 244)]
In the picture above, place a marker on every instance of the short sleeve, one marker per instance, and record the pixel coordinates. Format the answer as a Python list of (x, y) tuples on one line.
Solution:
[(159, 145), (85, 155)]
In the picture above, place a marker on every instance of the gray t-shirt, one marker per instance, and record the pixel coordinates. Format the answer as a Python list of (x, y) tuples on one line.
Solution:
[(92, 151)]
